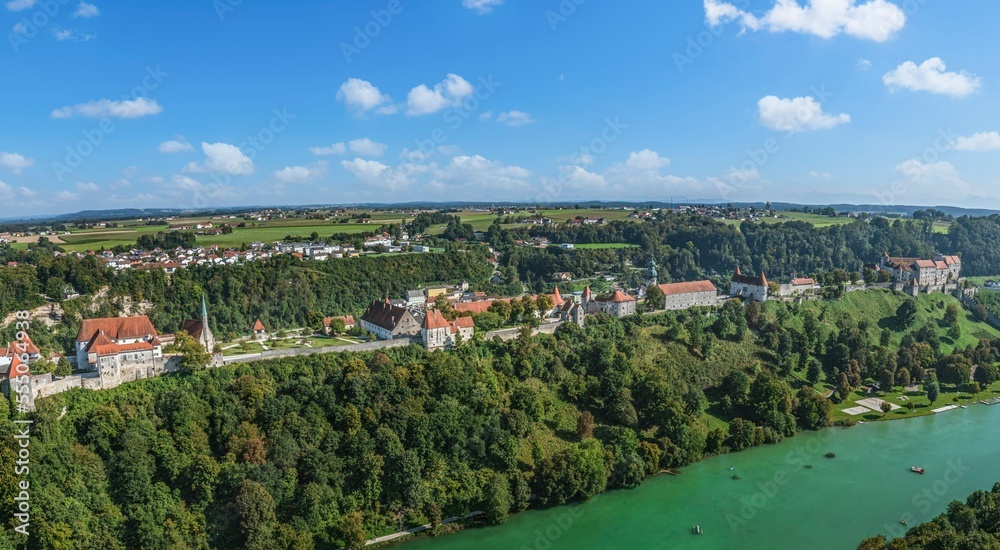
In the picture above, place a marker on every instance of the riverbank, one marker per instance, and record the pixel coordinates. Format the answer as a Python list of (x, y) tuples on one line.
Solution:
[(779, 500)]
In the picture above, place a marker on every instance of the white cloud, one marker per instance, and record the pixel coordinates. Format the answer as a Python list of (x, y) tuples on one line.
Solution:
[(646, 160), (367, 147), (86, 11), (449, 150), (106, 108), (21, 5), (335, 149), (820, 175), (180, 185), (296, 174), (67, 196), (379, 176), (448, 93), (15, 162), (641, 174), (19, 28), (27, 192), (877, 20), (222, 157), (6, 190), (796, 115), (930, 76), (176, 146), (863, 64), (486, 116), (983, 141), (481, 6), (477, 171), (88, 187), (362, 96), (62, 35), (515, 118), (937, 180), (364, 147)]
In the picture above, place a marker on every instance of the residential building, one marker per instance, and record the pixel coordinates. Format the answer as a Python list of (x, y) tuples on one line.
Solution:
[(917, 272), (117, 347), (619, 304), (415, 298), (436, 332), (388, 322), (689, 294), (749, 287)]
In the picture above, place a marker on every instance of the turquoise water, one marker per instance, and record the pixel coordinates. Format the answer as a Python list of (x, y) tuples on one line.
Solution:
[(778, 502)]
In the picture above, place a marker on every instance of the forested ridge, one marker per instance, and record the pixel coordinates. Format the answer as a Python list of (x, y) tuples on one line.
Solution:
[(327, 450)]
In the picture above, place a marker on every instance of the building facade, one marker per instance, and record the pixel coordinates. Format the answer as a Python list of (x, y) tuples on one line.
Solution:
[(690, 294), (918, 272), (749, 287), (117, 348), (388, 322), (619, 304)]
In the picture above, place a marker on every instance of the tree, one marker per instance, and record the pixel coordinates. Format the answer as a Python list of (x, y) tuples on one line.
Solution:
[(933, 391), (814, 372), (655, 299), (906, 314), (974, 388), (498, 501), (843, 387), (585, 425), (255, 508), (337, 326), (886, 381), (193, 355), (544, 304), (352, 530), (951, 315), (886, 407), (903, 378)]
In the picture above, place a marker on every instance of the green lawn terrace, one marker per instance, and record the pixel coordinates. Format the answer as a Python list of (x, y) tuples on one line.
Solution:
[(921, 405), (245, 346)]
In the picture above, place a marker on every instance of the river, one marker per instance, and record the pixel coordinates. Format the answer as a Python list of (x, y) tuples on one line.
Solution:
[(778, 502)]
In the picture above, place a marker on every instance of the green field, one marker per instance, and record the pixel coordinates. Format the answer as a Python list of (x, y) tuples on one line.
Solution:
[(815, 219)]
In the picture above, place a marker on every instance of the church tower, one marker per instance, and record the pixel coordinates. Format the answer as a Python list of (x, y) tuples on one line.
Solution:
[(207, 338)]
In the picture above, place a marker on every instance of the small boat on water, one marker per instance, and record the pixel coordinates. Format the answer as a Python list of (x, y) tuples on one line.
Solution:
[(917, 469), (731, 468), (696, 529), (903, 521)]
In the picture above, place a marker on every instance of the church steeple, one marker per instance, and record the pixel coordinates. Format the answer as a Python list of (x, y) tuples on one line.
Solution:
[(204, 310)]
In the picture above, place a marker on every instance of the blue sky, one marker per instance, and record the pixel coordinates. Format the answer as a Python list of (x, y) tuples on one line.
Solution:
[(203, 104)]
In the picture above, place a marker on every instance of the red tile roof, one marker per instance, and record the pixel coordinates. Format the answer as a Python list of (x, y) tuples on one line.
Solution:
[(119, 328), (258, 326), (434, 320), (557, 299), (620, 296), (803, 282), (674, 289)]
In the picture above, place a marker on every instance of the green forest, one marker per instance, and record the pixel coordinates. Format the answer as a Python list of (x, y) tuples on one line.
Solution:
[(970, 525), (330, 450)]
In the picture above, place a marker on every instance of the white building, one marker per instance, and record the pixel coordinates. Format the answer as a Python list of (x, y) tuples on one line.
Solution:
[(688, 295)]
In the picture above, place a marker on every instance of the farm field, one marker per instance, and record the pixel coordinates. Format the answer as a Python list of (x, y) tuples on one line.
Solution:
[(814, 219)]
